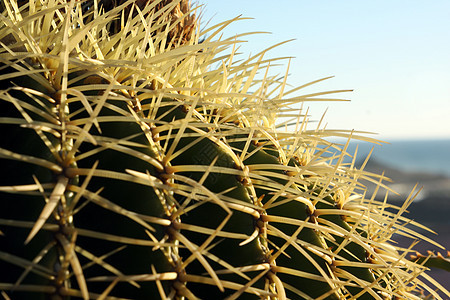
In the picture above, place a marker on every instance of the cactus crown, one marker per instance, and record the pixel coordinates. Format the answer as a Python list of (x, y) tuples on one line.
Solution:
[(140, 161)]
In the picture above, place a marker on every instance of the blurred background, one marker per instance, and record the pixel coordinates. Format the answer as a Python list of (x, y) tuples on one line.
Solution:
[(395, 56)]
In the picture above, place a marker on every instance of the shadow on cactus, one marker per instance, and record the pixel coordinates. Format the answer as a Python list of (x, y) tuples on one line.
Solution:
[(140, 163)]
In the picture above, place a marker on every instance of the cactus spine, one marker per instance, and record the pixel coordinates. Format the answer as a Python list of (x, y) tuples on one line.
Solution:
[(140, 163)]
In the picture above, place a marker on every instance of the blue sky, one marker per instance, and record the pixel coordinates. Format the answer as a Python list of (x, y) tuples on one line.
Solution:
[(395, 55)]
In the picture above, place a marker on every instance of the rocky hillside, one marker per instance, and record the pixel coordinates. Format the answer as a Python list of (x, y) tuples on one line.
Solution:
[(431, 208)]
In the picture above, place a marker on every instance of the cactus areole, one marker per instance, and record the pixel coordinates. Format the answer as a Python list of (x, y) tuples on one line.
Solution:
[(142, 158)]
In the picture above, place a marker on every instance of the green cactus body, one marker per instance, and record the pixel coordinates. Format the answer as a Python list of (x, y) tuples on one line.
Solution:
[(132, 168)]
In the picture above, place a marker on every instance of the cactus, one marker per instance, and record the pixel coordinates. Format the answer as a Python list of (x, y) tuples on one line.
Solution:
[(140, 159)]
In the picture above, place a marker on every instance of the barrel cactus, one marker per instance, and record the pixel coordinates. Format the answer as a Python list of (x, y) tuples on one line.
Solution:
[(141, 159)]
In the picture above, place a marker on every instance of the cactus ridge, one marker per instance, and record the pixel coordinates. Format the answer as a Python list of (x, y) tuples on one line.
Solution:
[(137, 165), (432, 260)]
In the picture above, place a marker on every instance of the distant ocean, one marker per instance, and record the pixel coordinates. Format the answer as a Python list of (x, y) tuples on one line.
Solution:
[(430, 156)]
